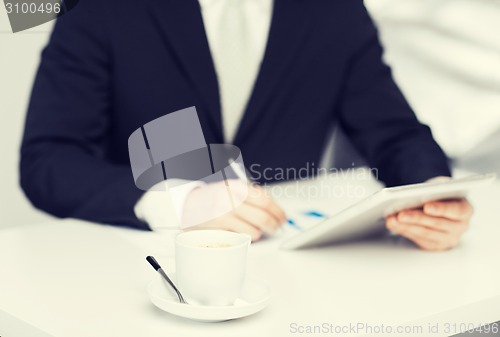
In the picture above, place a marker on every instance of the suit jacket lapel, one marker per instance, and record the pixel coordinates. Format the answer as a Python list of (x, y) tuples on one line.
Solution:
[(181, 24), (288, 32)]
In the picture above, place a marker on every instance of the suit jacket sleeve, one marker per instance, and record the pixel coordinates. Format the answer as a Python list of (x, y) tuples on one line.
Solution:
[(378, 119), (65, 168)]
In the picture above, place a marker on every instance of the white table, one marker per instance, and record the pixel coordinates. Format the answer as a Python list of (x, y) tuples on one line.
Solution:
[(71, 278)]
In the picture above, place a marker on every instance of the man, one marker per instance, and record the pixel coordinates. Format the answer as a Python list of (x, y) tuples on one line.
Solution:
[(269, 77)]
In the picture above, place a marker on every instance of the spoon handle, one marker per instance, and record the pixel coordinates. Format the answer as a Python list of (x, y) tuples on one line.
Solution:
[(160, 271)]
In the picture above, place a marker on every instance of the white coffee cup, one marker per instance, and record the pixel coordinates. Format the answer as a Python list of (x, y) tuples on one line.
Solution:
[(210, 265)]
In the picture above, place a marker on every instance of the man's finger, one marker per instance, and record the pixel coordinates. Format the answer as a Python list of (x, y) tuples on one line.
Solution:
[(425, 244), (258, 197), (418, 217), (235, 224), (459, 209), (419, 232), (257, 217)]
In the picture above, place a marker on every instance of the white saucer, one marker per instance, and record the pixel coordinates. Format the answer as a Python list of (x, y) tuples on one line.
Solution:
[(255, 296)]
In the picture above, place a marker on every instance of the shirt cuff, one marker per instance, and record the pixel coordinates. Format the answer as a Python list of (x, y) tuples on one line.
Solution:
[(161, 207)]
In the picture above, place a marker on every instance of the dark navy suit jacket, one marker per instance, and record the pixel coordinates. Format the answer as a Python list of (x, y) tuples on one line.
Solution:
[(114, 65)]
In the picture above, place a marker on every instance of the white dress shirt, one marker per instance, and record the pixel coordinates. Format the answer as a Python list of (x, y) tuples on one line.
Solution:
[(161, 209), (254, 23)]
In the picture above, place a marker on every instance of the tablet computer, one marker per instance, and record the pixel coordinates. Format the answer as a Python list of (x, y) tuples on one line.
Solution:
[(367, 217)]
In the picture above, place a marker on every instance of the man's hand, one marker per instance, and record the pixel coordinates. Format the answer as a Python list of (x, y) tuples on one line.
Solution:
[(438, 226), (258, 214)]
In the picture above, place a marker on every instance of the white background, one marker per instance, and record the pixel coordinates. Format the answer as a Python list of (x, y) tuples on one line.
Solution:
[(19, 57)]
